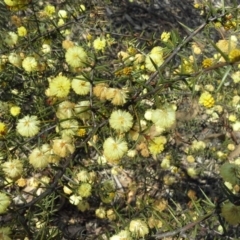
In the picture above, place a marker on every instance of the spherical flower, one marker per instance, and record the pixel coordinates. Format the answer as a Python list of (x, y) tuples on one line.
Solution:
[(121, 121), (62, 13), (234, 55), (165, 36), (11, 38), (85, 190), (46, 48), (208, 62), (163, 118), (231, 213), (3, 129), (83, 176), (38, 158), (76, 56), (49, 10), (13, 168), (15, 59), (74, 199), (80, 85), (28, 126), (119, 98), (59, 86), (196, 49), (99, 44), (114, 149), (207, 100), (156, 58), (230, 173), (22, 31), (156, 145), (30, 64), (15, 111), (4, 202), (100, 212), (65, 110), (236, 76), (138, 227), (63, 148), (226, 45), (68, 128)]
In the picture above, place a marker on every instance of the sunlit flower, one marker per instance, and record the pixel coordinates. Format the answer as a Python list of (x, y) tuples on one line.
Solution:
[(65, 110), (208, 62), (62, 13), (234, 55), (100, 212), (85, 190), (156, 58), (28, 126), (75, 199), (62, 148), (3, 129), (59, 86), (76, 56), (22, 31), (68, 127), (82, 110), (207, 100), (226, 45), (196, 49), (120, 97), (39, 157), (236, 76), (80, 85), (4, 202), (82, 8), (121, 121), (46, 48), (138, 228), (113, 149), (156, 145), (15, 59), (163, 118), (11, 38), (49, 10), (165, 36), (30, 64), (13, 168), (99, 44), (15, 111)]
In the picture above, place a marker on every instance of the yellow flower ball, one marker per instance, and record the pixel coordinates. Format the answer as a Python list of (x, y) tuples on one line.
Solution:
[(138, 228), (30, 64), (28, 126), (114, 149), (234, 55), (62, 148), (76, 56), (60, 87), (22, 31), (3, 129), (100, 212), (80, 85), (11, 39), (85, 190), (207, 100), (38, 158), (15, 59), (15, 111), (99, 44), (13, 168), (156, 145), (208, 62), (121, 121)]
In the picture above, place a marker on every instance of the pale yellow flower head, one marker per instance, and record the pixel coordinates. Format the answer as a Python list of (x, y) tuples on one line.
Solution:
[(4, 202), (76, 56), (49, 10), (138, 228), (80, 85), (28, 126), (99, 44), (39, 158), (15, 59), (207, 100), (157, 57), (59, 86), (22, 31), (30, 64), (85, 190), (236, 76), (3, 129), (156, 145), (13, 168), (62, 147), (11, 38), (121, 121), (15, 111), (226, 45), (65, 110), (165, 36), (114, 149)]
